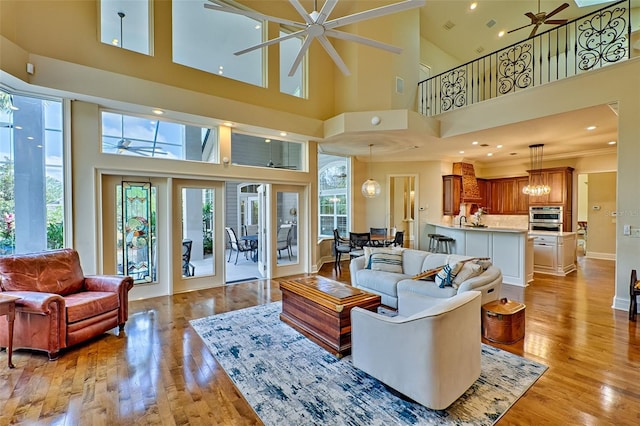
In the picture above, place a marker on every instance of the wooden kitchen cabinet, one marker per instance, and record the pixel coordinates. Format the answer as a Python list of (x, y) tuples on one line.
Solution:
[(483, 188), (452, 192), (560, 179), (506, 197)]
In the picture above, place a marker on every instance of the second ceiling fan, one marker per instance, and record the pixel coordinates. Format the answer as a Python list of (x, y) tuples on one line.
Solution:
[(540, 18)]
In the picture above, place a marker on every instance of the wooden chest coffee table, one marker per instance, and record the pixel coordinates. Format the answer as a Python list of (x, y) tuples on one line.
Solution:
[(320, 309)]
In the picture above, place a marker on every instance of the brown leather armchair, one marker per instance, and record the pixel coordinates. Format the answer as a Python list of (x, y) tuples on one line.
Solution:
[(59, 306)]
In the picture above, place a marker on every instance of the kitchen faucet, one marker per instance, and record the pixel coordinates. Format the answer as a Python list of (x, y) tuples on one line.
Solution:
[(462, 217)]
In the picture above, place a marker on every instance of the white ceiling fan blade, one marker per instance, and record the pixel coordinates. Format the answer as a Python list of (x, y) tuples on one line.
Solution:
[(374, 13), (303, 50), (363, 40), (269, 42), (334, 54), (326, 10), (254, 15), (297, 6)]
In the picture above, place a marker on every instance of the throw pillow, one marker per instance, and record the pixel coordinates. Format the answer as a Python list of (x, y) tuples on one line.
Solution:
[(483, 263), (468, 270), (368, 251), (388, 262), (445, 277)]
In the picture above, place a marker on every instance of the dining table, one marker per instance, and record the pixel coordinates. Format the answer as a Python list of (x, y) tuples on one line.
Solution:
[(386, 240)]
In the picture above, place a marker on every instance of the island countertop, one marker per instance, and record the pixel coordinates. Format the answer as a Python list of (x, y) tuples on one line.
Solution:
[(480, 228)]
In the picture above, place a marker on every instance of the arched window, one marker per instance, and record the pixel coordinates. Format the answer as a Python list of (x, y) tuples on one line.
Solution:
[(333, 188)]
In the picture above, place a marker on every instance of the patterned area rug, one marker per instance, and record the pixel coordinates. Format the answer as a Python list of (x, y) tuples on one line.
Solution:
[(289, 380)]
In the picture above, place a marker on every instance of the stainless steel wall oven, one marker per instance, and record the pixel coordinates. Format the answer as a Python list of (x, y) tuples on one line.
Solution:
[(545, 218)]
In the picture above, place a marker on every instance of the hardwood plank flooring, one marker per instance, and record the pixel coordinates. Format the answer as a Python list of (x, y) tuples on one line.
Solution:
[(158, 371)]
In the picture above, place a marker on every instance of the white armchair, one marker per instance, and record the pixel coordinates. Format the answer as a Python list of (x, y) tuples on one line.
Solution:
[(430, 352)]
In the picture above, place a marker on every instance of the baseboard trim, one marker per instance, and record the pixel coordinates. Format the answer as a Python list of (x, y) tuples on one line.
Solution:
[(602, 256)]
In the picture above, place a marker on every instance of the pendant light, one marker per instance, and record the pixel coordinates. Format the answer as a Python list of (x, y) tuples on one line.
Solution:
[(536, 187), (370, 188)]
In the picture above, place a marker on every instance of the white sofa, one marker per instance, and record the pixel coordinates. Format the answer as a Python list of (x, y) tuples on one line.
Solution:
[(388, 284), (430, 352)]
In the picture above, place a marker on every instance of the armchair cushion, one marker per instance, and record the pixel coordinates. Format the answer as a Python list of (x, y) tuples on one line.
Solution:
[(85, 304)]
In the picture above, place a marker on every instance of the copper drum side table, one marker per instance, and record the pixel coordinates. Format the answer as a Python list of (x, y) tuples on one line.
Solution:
[(320, 309), (8, 308)]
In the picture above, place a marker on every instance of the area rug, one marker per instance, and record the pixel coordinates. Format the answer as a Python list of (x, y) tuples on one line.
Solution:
[(289, 380)]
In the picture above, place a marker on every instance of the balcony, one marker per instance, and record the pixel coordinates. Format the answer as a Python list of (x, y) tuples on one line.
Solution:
[(593, 41)]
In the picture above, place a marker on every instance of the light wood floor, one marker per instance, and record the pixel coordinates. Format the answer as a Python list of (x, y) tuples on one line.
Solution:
[(159, 371)]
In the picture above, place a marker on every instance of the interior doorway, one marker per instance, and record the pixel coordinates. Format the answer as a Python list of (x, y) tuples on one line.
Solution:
[(401, 210), (597, 215)]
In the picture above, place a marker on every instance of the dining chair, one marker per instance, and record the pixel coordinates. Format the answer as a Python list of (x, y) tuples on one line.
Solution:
[(235, 244), (398, 239), (357, 240), (340, 246), (378, 232)]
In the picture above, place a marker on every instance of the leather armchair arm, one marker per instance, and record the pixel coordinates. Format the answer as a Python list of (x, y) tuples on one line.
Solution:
[(38, 303), (114, 283), (111, 283)]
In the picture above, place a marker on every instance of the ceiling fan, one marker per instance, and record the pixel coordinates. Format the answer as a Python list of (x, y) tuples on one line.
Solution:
[(540, 18), (317, 25), (125, 145)]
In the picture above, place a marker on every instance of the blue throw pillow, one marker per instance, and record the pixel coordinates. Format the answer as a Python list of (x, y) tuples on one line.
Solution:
[(445, 277)]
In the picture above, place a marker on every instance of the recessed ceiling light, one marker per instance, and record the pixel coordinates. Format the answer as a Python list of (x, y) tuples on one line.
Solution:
[(473, 5), (460, 152), (612, 143), (474, 143), (38, 146), (283, 133), (498, 146), (228, 124), (490, 154), (501, 33), (591, 128), (30, 138), (158, 111), (267, 140)]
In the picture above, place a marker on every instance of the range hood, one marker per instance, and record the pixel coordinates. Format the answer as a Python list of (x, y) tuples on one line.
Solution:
[(470, 191)]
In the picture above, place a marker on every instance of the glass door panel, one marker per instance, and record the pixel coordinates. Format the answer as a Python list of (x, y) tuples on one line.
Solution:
[(198, 254)]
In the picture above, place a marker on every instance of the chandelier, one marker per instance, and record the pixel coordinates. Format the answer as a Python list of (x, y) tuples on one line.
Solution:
[(536, 186), (370, 188)]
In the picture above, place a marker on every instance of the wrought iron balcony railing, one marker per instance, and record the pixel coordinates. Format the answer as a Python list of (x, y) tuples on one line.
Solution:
[(581, 45)]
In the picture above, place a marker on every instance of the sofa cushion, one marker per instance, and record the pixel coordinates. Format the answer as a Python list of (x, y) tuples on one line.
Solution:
[(434, 260), (445, 277), (412, 261), (87, 304), (426, 288), (379, 281), (388, 262)]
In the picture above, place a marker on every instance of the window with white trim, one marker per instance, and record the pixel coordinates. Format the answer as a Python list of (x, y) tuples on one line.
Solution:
[(334, 198)]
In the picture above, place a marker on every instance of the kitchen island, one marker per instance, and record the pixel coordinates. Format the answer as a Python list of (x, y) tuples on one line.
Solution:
[(510, 249), (554, 253)]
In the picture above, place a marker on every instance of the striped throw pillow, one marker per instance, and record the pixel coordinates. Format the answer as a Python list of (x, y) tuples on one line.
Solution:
[(388, 262), (445, 277)]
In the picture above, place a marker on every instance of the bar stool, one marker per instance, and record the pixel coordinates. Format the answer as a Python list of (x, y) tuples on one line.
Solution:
[(443, 244), (433, 242)]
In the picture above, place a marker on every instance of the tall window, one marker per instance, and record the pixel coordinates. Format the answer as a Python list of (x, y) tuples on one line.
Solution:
[(333, 186), (207, 39), (145, 137), (31, 174), (294, 85), (127, 24)]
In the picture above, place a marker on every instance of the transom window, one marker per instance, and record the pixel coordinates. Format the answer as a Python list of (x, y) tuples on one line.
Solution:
[(150, 137)]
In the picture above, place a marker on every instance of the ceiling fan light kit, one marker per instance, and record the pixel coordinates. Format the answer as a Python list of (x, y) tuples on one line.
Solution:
[(318, 26)]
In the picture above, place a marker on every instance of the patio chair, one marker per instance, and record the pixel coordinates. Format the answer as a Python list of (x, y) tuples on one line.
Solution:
[(285, 237), (235, 244), (188, 270)]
